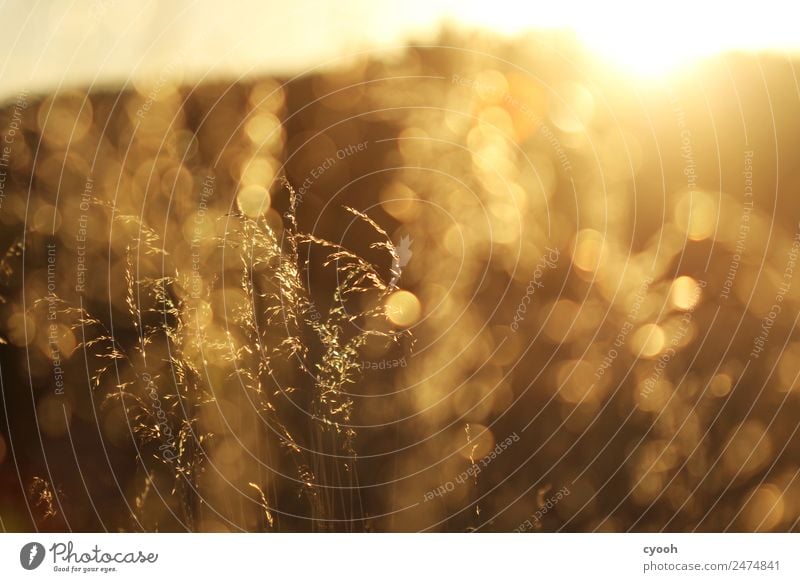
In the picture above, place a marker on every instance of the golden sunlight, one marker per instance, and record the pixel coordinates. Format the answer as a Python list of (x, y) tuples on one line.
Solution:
[(643, 39)]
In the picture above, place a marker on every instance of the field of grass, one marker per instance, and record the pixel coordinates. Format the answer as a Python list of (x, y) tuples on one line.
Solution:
[(478, 286)]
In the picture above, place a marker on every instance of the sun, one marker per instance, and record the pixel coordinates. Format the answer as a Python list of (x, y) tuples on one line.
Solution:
[(642, 38)]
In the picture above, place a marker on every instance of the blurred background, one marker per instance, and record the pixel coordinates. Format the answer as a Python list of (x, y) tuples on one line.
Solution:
[(571, 301)]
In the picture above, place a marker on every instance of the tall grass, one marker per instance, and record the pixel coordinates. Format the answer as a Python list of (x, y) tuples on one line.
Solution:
[(287, 356)]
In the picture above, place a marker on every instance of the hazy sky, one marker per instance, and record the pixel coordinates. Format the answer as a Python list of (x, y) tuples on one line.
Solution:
[(50, 44)]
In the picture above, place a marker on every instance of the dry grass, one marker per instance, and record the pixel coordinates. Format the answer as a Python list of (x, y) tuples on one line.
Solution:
[(290, 359)]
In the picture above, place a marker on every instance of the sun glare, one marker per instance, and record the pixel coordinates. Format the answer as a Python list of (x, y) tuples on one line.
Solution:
[(644, 39)]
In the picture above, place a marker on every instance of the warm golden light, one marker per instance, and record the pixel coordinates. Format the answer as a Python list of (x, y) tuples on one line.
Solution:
[(406, 282), (403, 308), (685, 293), (640, 39), (648, 341), (253, 200)]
